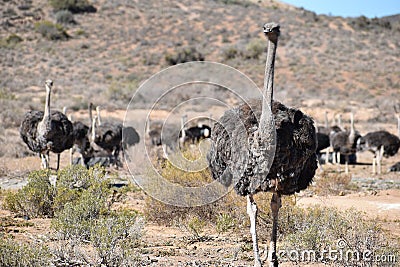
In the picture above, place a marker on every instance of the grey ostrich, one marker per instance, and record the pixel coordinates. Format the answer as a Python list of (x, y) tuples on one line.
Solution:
[(47, 131), (291, 168), (106, 137), (345, 143), (381, 143)]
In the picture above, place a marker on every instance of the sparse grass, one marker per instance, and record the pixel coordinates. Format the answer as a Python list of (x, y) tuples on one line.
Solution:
[(333, 183), (11, 41), (6, 94), (13, 254), (321, 228), (225, 222), (122, 90)]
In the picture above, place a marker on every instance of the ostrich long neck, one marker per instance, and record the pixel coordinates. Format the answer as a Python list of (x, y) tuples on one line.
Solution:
[(94, 128), (46, 115), (398, 125), (326, 120), (268, 85), (90, 107), (98, 116), (352, 129)]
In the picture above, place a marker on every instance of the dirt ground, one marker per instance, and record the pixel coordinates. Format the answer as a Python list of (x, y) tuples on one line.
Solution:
[(376, 195)]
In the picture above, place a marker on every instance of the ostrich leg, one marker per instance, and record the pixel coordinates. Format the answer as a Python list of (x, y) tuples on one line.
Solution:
[(45, 163), (58, 161), (275, 205), (252, 212), (374, 164), (380, 155), (71, 156)]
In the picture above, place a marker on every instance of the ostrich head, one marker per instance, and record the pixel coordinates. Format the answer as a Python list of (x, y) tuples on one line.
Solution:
[(48, 83), (271, 30)]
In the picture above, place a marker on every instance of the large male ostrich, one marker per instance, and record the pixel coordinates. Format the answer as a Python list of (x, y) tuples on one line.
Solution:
[(381, 143), (47, 131), (293, 165)]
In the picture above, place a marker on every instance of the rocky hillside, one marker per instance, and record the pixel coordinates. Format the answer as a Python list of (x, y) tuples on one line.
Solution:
[(102, 52)]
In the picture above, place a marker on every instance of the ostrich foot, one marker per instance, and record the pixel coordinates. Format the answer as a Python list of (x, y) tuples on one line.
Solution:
[(252, 212)]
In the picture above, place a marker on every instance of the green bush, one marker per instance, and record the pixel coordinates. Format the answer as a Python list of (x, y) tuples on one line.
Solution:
[(75, 6), (255, 48), (230, 53), (51, 31), (184, 55), (14, 254), (76, 218), (11, 41), (65, 17), (35, 199), (225, 222), (114, 237), (321, 228)]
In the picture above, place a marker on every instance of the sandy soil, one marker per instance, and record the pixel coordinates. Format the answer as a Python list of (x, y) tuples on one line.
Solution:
[(376, 195)]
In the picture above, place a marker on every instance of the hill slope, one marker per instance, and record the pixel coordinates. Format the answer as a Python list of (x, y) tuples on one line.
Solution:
[(322, 60)]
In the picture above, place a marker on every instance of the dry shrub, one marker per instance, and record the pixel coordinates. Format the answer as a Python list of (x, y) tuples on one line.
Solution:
[(320, 229), (33, 200), (332, 183), (14, 254), (51, 31)]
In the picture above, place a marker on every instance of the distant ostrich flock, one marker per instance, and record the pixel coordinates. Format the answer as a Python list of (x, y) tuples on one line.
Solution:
[(97, 143), (52, 131), (344, 144)]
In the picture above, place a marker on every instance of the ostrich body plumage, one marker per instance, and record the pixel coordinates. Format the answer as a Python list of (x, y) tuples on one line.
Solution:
[(294, 162), (109, 137), (373, 141), (56, 137)]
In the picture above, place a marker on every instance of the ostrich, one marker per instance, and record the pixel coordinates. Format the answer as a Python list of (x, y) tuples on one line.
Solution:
[(193, 134), (381, 143), (199, 132), (293, 165), (130, 137), (395, 167), (345, 143), (322, 143), (106, 136), (81, 141), (47, 131)]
